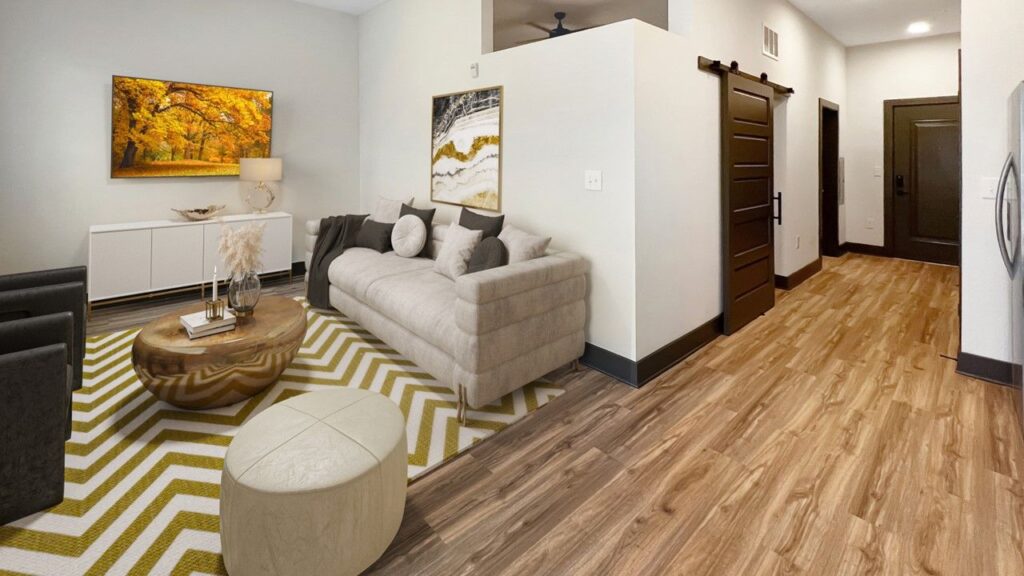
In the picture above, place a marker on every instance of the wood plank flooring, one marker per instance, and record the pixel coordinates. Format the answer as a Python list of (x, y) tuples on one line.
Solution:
[(831, 436)]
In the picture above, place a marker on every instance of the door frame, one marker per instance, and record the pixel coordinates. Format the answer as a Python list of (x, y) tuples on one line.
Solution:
[(824, 105), (889, 198)]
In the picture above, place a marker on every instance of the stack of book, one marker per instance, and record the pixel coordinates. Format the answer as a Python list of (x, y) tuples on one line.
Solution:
[(198, 326)]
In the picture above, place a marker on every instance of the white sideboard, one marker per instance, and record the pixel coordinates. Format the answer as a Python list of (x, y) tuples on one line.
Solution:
[(139, 257)]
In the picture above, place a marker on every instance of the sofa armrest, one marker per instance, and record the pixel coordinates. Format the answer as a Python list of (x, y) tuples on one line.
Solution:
[(44, 278), (37, 332), (44, 300), (312, 232), (506, 281)]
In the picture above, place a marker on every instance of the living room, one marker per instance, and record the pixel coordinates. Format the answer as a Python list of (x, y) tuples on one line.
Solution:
[(508, 286)]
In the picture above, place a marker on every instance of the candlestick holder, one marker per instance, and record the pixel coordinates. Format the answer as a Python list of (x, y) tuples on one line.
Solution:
[(215, 309)]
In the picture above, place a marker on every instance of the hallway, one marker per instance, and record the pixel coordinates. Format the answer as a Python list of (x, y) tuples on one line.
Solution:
[(831, 436)]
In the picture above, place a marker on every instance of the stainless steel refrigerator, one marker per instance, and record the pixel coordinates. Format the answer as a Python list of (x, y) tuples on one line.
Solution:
[(1008, 228)]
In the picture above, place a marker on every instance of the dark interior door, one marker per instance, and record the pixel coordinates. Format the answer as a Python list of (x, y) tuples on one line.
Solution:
[(749, 258), (829, 174), (926, 182)]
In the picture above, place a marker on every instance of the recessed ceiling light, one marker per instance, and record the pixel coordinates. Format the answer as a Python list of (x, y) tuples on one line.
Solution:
[(919, 28)]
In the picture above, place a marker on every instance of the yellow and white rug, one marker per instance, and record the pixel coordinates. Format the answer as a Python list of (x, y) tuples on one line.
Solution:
[(142, 477)]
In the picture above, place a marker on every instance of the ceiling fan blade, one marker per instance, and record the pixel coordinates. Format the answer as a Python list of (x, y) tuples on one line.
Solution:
[(542, 28), (525, 42)]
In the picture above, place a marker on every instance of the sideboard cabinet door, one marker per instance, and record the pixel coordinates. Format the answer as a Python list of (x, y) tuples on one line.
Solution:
[(119, 263), (177, 257)]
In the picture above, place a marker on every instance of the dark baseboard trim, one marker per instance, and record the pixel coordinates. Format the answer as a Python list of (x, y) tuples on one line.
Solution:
[(675, 352), (298, 269), (799, 277), (995, 371), (868, 249), (619, 367), (636, 374)]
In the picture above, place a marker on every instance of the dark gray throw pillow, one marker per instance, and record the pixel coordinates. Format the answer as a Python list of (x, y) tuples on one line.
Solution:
[(428, 218), (489, 253), (490, 225), (375, 236)]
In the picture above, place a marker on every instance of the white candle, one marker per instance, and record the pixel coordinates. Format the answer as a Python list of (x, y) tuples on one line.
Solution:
[(214, 283)]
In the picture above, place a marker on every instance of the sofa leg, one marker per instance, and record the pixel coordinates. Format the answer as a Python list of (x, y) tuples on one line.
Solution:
[(576, 366), (460, 411)]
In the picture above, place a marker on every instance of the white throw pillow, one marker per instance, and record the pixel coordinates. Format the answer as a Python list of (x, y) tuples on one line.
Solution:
[(458, 246), (522, 246), (409, 236), (388, 211)]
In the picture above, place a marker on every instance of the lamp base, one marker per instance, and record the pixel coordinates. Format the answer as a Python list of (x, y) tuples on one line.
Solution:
[(260, 197)]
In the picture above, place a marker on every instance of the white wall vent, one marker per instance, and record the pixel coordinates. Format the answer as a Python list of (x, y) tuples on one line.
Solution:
[(771, 43)]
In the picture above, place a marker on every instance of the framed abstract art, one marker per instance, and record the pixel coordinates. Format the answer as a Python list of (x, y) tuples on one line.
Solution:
[(465, 167)]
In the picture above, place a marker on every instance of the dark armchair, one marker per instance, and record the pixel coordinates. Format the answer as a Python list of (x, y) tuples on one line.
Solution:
[(35, 396), (42, 349)]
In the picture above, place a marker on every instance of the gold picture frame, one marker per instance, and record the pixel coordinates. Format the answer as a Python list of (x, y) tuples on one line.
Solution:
[(459, 175)]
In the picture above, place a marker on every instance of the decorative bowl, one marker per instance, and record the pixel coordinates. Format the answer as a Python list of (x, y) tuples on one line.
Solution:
[(200, 214)]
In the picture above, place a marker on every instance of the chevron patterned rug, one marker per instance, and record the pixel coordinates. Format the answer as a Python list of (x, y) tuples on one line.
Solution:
[(142, 478)]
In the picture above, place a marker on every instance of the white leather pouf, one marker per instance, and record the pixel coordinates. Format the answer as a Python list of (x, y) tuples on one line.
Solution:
[(314, 485)]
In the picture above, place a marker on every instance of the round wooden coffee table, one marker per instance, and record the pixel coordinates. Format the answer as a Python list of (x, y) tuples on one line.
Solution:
[(224, 368)]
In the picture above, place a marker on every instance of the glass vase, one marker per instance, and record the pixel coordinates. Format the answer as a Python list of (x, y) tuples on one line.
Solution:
[(244, 293)]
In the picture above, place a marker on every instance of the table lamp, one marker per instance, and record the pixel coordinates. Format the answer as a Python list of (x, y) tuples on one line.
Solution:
[(261, 171)]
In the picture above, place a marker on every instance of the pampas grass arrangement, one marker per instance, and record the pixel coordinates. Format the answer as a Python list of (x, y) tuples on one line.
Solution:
[(242, 248)]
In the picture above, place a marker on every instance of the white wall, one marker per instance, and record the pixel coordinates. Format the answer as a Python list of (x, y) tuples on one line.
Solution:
[(574, 104), (56, 62), (992, 68), (918, 68), (679, 270), (569, 107)]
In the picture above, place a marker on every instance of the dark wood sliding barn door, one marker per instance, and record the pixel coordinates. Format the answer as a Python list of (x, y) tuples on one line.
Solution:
[(747, 175)]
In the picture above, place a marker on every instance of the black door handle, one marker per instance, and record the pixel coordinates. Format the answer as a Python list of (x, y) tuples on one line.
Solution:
[(777, 213), (900, 190)]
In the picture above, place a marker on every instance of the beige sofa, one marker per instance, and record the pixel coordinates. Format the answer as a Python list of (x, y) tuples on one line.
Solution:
[(483, 335)]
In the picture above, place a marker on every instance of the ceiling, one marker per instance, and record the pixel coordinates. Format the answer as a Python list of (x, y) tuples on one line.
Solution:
[(350, 6), (855, 22)]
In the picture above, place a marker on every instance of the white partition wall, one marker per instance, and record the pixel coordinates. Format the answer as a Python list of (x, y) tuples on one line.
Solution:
[(136, 258)]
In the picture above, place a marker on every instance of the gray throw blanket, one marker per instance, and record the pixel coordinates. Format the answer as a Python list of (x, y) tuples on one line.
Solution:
[(337, 234)]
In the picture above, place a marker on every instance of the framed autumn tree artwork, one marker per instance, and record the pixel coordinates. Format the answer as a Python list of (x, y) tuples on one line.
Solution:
[(167, 129)]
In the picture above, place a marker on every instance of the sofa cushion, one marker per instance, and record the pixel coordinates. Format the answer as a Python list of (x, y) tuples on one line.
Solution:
[(423, 302), (490, 253), (409, 236), (523, 246), (358, 268), (375, 235), (457, 249), (490, 225), (427, 216)]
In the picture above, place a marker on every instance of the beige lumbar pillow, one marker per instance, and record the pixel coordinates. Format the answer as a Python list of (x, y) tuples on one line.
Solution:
[(409, 236), (388, 211), (521, 245), (456, 250)]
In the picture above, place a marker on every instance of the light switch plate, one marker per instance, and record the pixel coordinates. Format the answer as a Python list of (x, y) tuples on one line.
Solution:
[(878, 171), (593, 180), (988, 188)]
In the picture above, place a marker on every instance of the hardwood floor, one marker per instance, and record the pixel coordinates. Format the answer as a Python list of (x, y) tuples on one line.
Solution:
[(135, 314), (831, 436)]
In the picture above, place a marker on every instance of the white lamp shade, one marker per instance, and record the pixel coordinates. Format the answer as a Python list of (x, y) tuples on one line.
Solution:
[(261, 169)]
